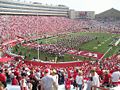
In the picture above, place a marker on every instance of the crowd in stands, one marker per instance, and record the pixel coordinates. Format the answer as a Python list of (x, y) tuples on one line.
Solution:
[(42, 26), (30, 26), (34, 77)]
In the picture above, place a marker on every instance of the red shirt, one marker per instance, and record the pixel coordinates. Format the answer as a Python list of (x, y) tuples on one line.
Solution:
[(99, 72), (14, 81), (2, 77), (75, 74), (69, 74), (107, 78), (16, 73), (31, 76), (67, 83)]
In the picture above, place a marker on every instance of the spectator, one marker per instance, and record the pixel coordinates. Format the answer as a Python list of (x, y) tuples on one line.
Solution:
[(23, 82), (47, 81), (55, 77), (95, 78), (106, 78), (15, 81), (115, 77), (3, 78), (1, 86), (67, 83), (79, 80), (61, 77), (74, 77)]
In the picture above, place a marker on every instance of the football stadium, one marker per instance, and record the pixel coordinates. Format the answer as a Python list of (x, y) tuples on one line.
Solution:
[(53, 47)]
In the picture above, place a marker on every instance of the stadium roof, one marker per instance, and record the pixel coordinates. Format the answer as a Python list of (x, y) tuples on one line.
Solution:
[(109, 13)]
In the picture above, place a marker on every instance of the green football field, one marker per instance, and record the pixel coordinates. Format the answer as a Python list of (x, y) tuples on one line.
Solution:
[(101, 44)]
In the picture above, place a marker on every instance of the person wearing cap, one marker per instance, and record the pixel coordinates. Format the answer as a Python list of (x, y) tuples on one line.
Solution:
[(47, 81), (79, 80)]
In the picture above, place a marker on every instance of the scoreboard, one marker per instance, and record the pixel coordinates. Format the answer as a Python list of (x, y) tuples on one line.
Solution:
[(82, 14)]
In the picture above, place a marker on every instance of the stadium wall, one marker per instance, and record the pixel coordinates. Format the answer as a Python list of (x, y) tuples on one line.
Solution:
[(20, 8), (13, 7)]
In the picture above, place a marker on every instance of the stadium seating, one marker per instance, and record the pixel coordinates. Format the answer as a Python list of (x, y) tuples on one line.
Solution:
[(29, 27), (33, 26)]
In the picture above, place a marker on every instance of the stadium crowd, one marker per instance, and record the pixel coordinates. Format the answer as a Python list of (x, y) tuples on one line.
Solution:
[(37, 77), (34, 77), (30, 27)]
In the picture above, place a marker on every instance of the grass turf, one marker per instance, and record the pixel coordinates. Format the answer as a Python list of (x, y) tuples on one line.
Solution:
[(101, 44)]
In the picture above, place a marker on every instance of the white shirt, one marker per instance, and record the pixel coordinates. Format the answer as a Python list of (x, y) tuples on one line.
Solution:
[(96, 81), (48, 82), (23, 83), (115, 76), (55, 78), (79, 79), (38, 75)]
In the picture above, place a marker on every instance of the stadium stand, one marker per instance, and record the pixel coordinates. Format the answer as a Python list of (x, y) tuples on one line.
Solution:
[(17, 73)]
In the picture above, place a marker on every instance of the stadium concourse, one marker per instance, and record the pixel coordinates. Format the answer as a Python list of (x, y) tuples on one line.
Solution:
[(16, 72)]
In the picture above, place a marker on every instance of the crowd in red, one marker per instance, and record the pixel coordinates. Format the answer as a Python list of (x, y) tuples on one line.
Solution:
[(28, 74), (31, 27), (32, 72)]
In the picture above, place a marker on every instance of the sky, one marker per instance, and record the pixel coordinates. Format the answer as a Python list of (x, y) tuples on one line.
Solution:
[(84, 5)]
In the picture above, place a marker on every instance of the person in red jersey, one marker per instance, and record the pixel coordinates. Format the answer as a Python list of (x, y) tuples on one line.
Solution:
[(74, 76), (3, 78), (100, 73), (17, 73), (14, 81), (106, 78), (67, 83)]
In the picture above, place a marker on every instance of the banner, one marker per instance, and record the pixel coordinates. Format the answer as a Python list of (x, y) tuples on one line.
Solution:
[(95, 55)]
